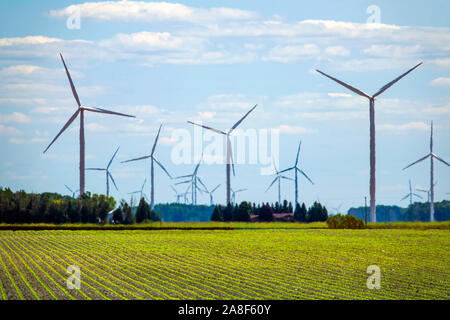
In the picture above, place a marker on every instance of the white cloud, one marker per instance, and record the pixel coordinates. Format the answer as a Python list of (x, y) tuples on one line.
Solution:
[(8, 131), (392, 51), (7, 42), (292, 53), (422, 126), (149, 41), (293, 129), (24, 141), (337, 51), (440, 82), (340, 95), (14, 117), (151, 12)]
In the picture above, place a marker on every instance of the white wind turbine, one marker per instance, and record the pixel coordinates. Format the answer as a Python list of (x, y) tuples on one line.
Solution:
[(373, 216), (194, 178), (152, 171), (108, 174), (233, 197), (278, 178), (73, 192), (141, 192), (211, 202), (296, 171), (229, 149), (80, 111), (432, 156), (177, 195), (428, 191), (410, 195)]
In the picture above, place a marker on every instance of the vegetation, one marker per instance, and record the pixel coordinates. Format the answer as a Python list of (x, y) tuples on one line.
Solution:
[(238, 264), (418, 211), (339, 221)]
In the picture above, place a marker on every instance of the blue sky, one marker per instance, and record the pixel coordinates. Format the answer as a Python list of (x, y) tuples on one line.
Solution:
[(211, 61)]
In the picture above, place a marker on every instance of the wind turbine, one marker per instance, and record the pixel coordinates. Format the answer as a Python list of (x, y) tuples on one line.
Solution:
[(141, 192), (373, 215), (278, 178), (426, 191), (80, 111), (229, 149), (108, 174), (152, 171), (211, 202), (194, 178), (296, 171), (410, 194), (73, 192), (233, 198), (337, 209), (431, 155), (177, 195)]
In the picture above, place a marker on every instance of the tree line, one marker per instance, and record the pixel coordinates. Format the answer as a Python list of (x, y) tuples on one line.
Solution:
[(265, 212)]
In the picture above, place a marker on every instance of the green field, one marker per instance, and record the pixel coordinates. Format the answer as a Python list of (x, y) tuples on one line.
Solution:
[(264, 263)]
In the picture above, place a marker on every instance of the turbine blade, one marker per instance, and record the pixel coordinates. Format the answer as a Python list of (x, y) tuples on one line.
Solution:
[(285, 170), (404, 197), (287, 178), (215, 188), (203, 185), (345, 85), (274, 180), (182, 182), (74, 91), (174, 190), (230, 155), (112, 179), (240, 190), (100, 110), (443, 161), (162, 167), (206, 127), (98, 169), (421, 159), (242, 119), (298, 152), (110, 161), (419, 196), (141, 158), (68, 188), (156, 140), (301, 171), (387, 86), (186, 176), (72, 118)]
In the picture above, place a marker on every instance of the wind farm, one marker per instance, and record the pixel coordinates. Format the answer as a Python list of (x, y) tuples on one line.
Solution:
[(198, 152)]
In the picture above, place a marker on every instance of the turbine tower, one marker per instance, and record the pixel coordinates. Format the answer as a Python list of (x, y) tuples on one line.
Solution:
[(211, 202), (229, 149), (73, 192), (80, 111), (373, 216), (108, 174), (152, 171), (296, 171), (410, 194), (278, 178), (233, 197), (432, 156)]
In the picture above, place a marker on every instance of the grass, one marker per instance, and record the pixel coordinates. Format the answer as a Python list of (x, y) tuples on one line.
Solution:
[(272, 262), (445, 225)]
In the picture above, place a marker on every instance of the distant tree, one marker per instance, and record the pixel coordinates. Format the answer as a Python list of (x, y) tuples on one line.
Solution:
[(316, 213), (143, 211), (217, 214), (300, 213), (128, 217), (242, 213), (266, 213), (228, 213), (290, 208)]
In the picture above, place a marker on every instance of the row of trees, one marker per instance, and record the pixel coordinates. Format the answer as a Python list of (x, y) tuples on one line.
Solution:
[(22, 207), (418, 211), (265, 212)]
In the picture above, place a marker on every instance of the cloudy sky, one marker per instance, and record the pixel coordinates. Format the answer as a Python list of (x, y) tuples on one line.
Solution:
[(211, 61)]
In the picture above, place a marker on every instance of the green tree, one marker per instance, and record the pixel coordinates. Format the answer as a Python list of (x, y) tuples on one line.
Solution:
[(265, 213), (143, 211), (242, 213), (217, 214)]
